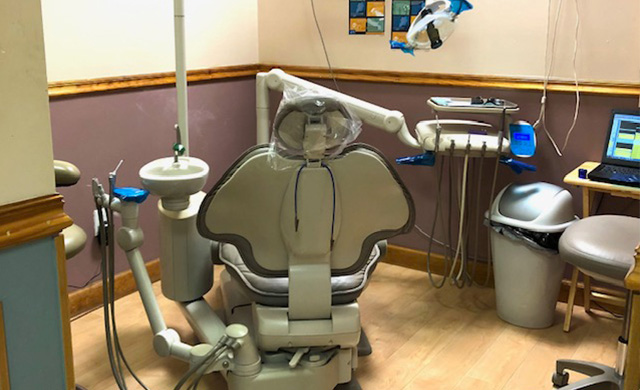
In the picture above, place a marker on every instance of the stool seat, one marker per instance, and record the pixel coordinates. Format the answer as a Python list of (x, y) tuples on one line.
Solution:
[(602, 246)]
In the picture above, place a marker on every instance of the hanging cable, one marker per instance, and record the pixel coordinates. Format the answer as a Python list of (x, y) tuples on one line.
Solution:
[(95, 276), (427, 235), (324, 46), (549, 60)]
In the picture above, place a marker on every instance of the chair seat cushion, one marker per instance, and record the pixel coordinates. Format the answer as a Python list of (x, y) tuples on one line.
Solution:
[(274, 291), (602, 246)]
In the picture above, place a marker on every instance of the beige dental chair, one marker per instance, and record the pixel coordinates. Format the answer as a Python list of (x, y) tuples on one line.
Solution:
[(300, 231)]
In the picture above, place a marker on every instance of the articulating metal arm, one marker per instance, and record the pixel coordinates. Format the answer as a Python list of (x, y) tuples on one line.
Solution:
[(387, 120)]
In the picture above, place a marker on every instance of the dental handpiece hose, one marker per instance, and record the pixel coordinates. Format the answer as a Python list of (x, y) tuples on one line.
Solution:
[(458, 280), (478, 215)]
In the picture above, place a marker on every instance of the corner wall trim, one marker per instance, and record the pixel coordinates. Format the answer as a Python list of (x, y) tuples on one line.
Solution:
[(32, 219), (61, 260), (89, 298), (77, 87), (4, 359), (417, 260)]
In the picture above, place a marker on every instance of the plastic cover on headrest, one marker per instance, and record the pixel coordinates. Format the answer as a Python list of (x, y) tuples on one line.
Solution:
[(311, 126)]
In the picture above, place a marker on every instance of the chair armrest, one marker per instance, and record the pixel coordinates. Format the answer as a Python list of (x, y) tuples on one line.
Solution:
[(66, 173), (632, 281)]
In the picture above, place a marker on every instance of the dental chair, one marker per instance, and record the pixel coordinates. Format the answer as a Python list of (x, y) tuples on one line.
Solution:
[(602, 247), (300, 228)]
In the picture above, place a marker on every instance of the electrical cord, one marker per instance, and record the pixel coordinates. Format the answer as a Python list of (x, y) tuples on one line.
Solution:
[(324, 46), (427, 235), (615, 315), (542, 117), (96, 274)]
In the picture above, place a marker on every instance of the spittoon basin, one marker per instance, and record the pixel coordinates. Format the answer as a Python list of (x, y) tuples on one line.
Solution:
[(174, 181)]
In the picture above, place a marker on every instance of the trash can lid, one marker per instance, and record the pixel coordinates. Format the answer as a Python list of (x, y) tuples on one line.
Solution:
[(539, 207)]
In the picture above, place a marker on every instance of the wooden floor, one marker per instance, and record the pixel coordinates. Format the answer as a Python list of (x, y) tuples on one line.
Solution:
[(422, 338)]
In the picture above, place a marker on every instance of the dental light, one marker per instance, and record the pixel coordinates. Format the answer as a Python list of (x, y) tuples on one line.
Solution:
[(435, 23)]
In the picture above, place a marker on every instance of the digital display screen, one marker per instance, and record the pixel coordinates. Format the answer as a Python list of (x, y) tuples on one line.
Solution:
[(521, 137), (624, 141)]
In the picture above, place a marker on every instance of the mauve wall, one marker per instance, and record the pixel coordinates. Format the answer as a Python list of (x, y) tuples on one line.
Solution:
[(96, 131), (586, 144)]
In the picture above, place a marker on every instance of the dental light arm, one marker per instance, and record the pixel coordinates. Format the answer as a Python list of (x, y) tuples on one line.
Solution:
[(376, 116)]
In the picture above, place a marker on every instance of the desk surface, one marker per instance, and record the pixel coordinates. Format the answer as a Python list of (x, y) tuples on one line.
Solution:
[(614, 189)]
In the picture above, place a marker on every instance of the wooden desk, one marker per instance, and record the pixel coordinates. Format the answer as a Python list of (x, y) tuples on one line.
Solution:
[(589, 188)]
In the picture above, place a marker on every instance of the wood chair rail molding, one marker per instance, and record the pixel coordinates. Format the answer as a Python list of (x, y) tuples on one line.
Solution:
[(77, 87), (32, 219)]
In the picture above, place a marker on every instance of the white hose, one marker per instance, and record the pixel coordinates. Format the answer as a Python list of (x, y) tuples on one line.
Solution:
[(461, 225)]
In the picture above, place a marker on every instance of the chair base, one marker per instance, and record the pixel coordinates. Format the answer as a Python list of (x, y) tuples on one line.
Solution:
[(601, 377), (353, 385), (364, 347)]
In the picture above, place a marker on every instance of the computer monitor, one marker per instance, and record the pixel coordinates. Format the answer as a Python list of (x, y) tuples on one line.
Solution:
[(623, 139)]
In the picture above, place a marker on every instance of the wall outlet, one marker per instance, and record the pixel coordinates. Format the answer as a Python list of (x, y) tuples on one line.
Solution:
[(96, 221)]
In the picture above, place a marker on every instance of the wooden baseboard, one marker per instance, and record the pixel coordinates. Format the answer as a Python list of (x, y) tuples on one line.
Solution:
[(414, 259), (32, 219), (89, 298), (417, 260)]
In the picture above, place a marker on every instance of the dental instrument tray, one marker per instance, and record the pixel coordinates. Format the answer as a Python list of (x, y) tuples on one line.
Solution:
[(476, 105), (472, 137)]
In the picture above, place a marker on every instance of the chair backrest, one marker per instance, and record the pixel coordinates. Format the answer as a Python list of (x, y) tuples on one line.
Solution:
[(339, 209), (308, 208)]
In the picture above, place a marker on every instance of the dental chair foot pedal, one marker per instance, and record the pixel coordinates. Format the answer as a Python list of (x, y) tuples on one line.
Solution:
[(364, 347), (353, 385)]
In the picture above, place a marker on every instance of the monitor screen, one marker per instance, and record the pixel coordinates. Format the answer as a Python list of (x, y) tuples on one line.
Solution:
[(624, 141)]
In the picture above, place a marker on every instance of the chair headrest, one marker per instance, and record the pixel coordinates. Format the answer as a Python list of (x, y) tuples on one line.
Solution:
[(313, 127)]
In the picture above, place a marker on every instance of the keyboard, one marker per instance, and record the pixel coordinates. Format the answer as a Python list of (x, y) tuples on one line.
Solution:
[(615, 174)]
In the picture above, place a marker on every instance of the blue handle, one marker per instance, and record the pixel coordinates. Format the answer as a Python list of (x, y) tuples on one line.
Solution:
[(517, 166), (131, 194), (427, 159)]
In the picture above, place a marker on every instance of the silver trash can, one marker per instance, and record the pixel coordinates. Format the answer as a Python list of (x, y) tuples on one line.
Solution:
[(526, 222)]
